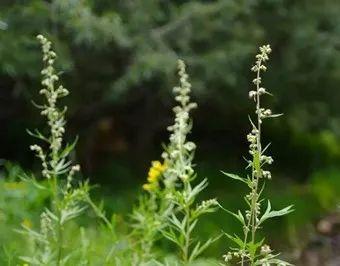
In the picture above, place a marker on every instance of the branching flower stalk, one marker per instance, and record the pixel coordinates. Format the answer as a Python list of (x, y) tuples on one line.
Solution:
[(180, 175), (169, 207), (67, 198), (249, 250)]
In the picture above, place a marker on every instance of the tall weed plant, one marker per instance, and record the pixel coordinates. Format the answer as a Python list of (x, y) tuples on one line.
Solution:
[(180, 178), (249, 249), (170, 208), (69, 197)]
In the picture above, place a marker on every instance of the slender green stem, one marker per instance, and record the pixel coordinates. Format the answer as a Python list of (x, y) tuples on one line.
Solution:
[(56, 207), (187, 237), (252, 222), (60, 241)]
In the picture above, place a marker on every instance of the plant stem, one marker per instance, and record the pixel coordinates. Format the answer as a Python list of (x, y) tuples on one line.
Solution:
[(252, 222), (56, 203), (60, 241), (187, 230)]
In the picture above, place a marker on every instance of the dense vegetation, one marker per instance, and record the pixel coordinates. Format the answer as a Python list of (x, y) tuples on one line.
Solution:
[(118, 59)]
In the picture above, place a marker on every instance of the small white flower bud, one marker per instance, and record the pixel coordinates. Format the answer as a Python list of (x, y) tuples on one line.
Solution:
[(252, 94)]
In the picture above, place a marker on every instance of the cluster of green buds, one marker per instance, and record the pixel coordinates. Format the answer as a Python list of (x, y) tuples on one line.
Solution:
[(52, 92), (206, 206), (254, 137), (265, 251), (41, 155), (179, 153), (74, 169), (259, 66)]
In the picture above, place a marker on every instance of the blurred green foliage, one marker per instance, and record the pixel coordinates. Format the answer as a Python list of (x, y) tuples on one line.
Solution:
[(20, 203), (118, 59)]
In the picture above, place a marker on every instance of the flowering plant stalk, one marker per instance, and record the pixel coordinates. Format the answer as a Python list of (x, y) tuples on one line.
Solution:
[(67, 198), (249, 249), (170, 205), (179, 177)]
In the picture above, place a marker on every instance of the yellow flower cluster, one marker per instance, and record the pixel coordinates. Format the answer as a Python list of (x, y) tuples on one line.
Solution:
[(156, 170)]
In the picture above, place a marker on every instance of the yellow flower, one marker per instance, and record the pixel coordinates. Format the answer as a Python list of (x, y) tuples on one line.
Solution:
[(155, 171), (158, 166), (153, 175)]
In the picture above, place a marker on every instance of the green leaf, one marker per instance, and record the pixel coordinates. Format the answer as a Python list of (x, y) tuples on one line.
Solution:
[(37, 135), (238, 216), (252, 247), (274, 115), (31, 179), (270, 214), (265, 148), (236, 177), (170, 235), (200, 248), (68, 148), (198, 188), (238, 241), (192, 226)]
